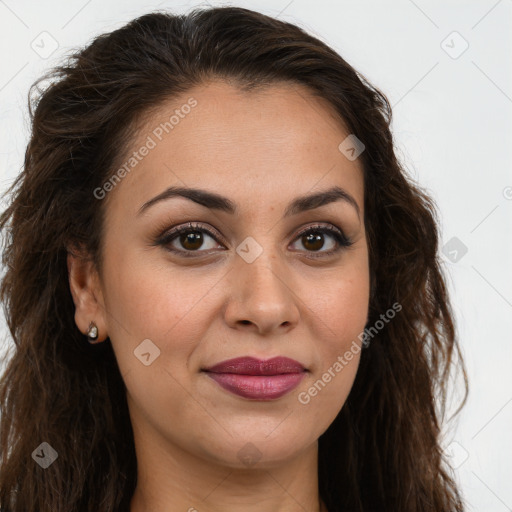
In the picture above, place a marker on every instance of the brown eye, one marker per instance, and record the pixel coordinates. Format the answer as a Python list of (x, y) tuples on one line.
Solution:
[(313, 239), (313, 242), (193, 239), (189, 239)]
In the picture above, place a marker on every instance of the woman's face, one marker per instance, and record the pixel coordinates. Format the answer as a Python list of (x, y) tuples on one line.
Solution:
[(242, 282)]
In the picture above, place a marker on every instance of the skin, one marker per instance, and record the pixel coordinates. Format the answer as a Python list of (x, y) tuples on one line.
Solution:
[(261, 150)]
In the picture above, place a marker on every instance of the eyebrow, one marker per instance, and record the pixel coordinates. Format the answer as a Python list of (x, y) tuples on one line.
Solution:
[(215, 201)]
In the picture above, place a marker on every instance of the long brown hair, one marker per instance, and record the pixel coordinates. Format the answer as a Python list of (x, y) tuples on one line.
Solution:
[(382, 452)]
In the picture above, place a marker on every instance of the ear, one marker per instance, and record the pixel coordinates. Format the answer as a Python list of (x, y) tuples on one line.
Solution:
[(84, 283)]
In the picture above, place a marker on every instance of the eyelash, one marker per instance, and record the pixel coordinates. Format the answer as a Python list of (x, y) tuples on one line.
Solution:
[(167, 238)]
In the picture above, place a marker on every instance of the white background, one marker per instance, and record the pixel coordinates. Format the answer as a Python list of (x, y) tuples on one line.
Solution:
[(453, 127)]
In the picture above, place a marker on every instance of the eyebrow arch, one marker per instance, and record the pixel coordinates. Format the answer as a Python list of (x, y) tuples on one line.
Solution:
[(217, 202)]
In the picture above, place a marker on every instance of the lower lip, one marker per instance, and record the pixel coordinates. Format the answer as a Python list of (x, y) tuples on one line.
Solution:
[(258, 387)]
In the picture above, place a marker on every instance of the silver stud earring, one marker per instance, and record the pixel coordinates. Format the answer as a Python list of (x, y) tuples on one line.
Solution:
[(92, 333)]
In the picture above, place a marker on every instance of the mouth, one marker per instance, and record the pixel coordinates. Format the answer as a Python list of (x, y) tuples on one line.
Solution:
[(258, 379)]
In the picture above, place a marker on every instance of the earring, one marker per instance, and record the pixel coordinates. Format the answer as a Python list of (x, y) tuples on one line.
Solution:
[(92, 333)]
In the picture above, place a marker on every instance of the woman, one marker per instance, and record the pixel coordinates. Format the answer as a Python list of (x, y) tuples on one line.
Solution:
[(223, 290)]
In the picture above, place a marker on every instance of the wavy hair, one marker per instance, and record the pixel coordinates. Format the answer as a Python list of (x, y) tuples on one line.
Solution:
[(383, 451)]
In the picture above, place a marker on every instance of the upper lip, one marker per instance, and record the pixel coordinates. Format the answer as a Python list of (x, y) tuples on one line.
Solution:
[(254, 366)]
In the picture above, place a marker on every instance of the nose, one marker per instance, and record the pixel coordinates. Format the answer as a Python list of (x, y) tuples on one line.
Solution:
[(261, 296)]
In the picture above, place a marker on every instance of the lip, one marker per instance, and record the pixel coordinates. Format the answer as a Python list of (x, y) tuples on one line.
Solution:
[(258, 379), (254, 366)]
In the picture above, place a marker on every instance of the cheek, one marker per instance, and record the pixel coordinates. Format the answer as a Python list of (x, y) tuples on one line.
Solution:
[(347, 307), (153, 302), (345, 317), (150, 301), (340, 303), (149, 294), (339, 311)]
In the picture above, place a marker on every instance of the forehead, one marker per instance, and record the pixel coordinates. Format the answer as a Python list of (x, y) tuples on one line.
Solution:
[(268, 143)]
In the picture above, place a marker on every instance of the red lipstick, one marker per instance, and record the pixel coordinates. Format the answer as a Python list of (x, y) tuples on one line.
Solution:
[(256, 379)]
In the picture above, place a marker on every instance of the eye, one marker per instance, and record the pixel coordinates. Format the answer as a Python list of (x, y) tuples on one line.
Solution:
[(190, 238), (313, 239)]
